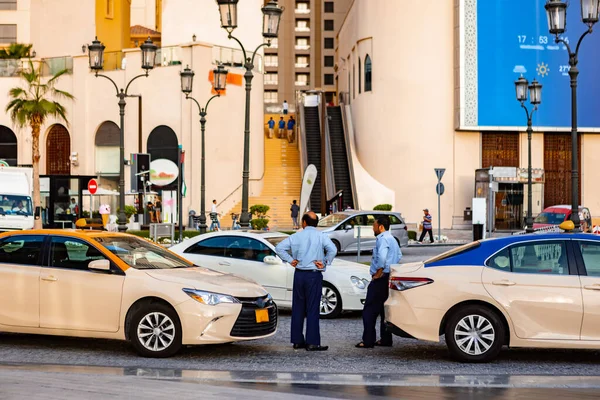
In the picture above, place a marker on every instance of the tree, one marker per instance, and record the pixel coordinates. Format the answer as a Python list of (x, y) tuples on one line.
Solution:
[(31, 106), (16, 51)]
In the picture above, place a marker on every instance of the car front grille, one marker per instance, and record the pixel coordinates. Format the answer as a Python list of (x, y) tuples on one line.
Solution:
[(246, 325)]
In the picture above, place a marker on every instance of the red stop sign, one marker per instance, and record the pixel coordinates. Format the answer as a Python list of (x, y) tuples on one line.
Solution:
[(92, 186)]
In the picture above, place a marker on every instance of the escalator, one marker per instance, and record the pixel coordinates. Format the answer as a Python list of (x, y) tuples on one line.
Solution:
[(312, 134), (340, 156)]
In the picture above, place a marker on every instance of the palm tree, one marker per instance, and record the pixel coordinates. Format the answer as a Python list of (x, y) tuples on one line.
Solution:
[(16, 51), (30, 106)]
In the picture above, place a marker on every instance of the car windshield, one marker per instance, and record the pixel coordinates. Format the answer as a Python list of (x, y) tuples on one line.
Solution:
[(141, 254), (276, 240), (550, 218), (332, 220), (15, 205), (453, 252)]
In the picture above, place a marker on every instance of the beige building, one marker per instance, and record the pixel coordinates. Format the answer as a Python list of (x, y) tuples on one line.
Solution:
[(303, 57), (405, 106), (87, 146)]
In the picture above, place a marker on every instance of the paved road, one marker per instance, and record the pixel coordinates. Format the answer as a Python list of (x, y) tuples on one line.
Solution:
[(409, 254)]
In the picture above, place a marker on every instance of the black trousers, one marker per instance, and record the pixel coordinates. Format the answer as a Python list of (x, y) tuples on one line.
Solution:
[(377, 294), (426, 231), (306, 302)]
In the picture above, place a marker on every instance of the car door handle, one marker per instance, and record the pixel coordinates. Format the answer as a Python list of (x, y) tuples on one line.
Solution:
[(225, 263), (49, 278), (592, 287), (503, 282)]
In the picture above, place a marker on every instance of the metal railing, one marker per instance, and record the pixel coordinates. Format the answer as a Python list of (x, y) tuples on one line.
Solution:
[(53, 65), (114, 61), (231, 57), (168, 56), (10, 68)]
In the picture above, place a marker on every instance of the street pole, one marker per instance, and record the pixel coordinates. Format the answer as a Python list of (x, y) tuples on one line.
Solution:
[(491, 206), (529, 220), (179, 194), (439, 217), (122, 220)]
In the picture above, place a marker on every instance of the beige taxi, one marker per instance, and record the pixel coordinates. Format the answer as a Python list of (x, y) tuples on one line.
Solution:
[(118, 286)]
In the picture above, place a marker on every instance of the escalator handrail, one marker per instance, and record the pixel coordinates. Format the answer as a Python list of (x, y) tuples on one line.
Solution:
[(301, 135), (349, 156), (329, 177)]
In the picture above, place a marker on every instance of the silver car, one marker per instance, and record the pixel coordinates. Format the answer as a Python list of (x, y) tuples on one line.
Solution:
[(340, 227)]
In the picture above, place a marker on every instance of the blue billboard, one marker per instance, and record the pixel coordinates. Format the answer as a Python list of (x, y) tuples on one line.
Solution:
[(513, 39)]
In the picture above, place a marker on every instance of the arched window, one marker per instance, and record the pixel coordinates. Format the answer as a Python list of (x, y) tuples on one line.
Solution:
[(8, 146), (108, 148), (359, 76), (58, 151), (368, 73), (354, 81)]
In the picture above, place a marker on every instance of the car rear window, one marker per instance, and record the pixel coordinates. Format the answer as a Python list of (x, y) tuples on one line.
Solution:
[(454, 252)]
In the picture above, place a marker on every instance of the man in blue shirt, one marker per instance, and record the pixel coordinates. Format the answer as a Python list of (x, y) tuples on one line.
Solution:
[(309, 251), (290, 127), (281, 132), (427, 228), (271, 124), (385, 253)]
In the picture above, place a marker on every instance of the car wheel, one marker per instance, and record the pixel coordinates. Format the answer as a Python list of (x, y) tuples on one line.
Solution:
[(338, 247), (155, 331), (474, 334), (331, 302)]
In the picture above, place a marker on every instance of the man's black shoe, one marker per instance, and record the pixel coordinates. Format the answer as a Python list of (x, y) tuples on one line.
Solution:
[(312, 347), (298, 346)]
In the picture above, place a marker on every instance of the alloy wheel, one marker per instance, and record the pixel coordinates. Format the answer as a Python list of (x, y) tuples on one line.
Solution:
[(474, 335), (329, 300), (156, 331)]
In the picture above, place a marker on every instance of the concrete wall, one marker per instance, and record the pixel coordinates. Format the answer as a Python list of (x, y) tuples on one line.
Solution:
[(404, 126), (163, 104)]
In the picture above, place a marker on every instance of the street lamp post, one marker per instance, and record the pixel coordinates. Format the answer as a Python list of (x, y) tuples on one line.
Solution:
[(187, 84), (271, 17), (535, 98), (96, 54), (557, 20)]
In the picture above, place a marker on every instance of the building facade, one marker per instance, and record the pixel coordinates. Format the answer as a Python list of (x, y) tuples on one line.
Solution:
[(427, 87)]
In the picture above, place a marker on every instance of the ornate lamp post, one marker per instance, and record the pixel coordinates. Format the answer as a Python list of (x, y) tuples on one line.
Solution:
[(96, 54), (535, 98), (271, 18), (187, 84), (557, 20)]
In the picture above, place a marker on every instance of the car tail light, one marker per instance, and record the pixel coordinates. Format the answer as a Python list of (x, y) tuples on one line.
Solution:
[(400, 284), (405, 227)]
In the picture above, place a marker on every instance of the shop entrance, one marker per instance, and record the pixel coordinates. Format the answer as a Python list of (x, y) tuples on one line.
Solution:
[(62, 201)]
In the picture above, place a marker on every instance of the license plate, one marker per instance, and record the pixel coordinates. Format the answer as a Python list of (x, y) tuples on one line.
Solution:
[(262, 315)]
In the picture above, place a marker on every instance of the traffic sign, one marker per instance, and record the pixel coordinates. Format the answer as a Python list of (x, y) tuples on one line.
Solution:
[(92, 186), (439, 172), (439, 188)]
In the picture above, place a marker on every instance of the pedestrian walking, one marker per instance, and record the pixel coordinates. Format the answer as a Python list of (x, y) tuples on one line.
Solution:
[(295, 210), (285, 107), (151, 209), (427, 228), (290, 127), (386, 253), (271, 125), (309, 251), (214, 217), (281, 131)]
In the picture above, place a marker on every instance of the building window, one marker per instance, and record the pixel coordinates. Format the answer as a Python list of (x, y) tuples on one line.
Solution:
[(328, 61), (302, 80), (271, 78), (329, 43), (354, 81), (328, 24), (349, 86), (329, 79), (271, 61), (110, 8), (359, 77), (8, 33), (270, 96), (329, 6), (302, 44), (8, 4), (368, 73), (302, 62), (302, 25), (302, 8)]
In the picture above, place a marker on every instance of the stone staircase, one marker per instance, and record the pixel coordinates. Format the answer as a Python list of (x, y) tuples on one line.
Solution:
[(282, 184)]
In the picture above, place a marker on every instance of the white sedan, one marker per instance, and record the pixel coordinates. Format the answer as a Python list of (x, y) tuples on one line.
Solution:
[(252, 255)]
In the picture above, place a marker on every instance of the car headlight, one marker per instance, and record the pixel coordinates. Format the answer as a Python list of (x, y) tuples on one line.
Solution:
[(209, 298), (359, 282)]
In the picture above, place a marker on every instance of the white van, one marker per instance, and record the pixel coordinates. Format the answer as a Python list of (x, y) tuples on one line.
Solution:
[(16, 191)]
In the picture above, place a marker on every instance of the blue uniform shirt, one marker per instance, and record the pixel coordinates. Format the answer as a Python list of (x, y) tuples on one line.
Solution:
[(271, 123), (291, 124), (385, 253), (281, 124), (307, 246)]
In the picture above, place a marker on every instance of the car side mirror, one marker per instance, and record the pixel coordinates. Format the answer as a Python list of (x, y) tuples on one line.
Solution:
[(99, 265), (272, 260), (348, 227)]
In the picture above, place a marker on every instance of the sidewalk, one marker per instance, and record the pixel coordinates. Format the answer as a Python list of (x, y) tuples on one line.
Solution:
[(456, 237)]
